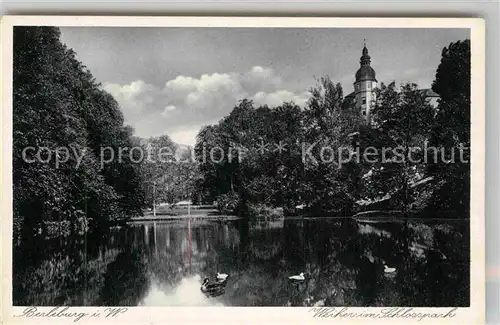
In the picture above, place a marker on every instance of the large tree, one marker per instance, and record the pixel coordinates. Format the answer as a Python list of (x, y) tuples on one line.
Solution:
[(58, 106), (330, 177), (239, 156), (402, 120), (451, 131)]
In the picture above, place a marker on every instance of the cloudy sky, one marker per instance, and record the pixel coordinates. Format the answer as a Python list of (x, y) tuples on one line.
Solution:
[(175, 80)]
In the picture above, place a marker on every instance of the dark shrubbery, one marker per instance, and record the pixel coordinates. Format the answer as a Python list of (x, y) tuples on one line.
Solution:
[(227, 203)]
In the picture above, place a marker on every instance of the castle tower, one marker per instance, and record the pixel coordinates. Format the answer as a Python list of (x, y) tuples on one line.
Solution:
[(365, 86)]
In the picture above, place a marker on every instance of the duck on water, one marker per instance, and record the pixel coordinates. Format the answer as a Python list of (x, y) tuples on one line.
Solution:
[(389, 269), (215, 288), (221, 277), (297, 278)]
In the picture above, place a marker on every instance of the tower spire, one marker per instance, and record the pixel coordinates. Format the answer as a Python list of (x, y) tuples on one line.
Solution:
[(365, 58)]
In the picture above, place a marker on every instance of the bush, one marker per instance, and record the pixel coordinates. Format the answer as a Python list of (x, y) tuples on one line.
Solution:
[(262, 211), (227, 203)]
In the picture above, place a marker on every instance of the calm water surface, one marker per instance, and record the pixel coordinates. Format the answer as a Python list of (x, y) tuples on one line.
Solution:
[(163, 264)]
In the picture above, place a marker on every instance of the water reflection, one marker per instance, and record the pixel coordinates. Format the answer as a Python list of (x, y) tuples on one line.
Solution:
[(186, 293), (163, 264), (125, 280)]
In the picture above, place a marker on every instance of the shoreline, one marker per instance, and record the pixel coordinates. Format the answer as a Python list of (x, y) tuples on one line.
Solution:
[(183, 217)]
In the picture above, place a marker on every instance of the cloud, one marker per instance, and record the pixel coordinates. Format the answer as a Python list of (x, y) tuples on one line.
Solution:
[(134, 98), (278, 97), (186, 136), (182, 83), (167, 109), (184, 103)]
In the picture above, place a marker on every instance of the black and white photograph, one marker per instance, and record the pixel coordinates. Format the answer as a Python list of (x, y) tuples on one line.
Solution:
[(201, 166)]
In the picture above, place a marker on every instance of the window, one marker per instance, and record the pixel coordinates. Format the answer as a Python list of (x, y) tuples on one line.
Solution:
[(364, 100), (363, 112), (369, 86)]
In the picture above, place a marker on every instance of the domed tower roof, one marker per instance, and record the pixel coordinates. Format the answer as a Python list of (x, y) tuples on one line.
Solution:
[(365, 72)]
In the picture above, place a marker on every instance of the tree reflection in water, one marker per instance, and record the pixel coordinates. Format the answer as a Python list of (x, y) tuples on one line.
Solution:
[(162, 264), (125, 281)]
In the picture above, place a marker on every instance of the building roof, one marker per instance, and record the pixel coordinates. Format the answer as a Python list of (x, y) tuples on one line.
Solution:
[(353, 94), (348, 100)]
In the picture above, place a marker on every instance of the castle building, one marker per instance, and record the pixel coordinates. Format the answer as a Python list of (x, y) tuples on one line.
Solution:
[(363, 98)]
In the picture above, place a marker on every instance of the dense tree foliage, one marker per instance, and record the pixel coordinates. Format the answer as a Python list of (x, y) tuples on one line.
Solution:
[(62, 112), (257, 154), (451, 129), (169, 172), (323, 167), (239, 155), (331, 175), (402, 119)]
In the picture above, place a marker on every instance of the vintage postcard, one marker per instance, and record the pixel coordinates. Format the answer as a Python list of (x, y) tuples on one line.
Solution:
[(178, 170)]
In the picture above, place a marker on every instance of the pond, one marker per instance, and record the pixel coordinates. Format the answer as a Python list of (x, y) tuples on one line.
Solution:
[(164, 263)]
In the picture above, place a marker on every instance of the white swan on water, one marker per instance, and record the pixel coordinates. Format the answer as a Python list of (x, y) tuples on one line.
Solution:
[(389, 269), (221, 276), (299, 277)]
